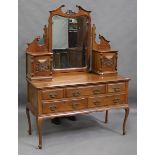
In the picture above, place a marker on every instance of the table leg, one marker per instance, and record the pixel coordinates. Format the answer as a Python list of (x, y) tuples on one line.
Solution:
[(106, 117), (125, 119), (39, 127), (29, 120)]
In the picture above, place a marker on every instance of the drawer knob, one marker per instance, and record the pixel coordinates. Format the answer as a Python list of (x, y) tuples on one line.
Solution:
[(76, 94), (96, 91), (53, 95), (75, 105), (53, 107), (116, 100), (97, 103)]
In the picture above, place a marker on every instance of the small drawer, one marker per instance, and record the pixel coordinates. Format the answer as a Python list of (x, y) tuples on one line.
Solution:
[(85, 90), (52, 94), (97, 101), (115, 100), (98, 89), (77, 104), (116, 87), (77, 91)]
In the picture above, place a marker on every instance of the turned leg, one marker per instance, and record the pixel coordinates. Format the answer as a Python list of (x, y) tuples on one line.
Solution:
[(106, 117), (125, 119), (29, 121), (39, 127)]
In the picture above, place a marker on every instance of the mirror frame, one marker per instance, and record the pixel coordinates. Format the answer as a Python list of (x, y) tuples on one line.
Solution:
[(69, 14)]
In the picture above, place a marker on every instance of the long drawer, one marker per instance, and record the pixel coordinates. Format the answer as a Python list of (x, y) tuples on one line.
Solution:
[(85, 90), (64, 105), (99, 101)]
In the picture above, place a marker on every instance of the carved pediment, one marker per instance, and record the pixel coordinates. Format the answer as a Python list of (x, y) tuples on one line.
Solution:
[(104, 43), (35, 47), (69, 13)]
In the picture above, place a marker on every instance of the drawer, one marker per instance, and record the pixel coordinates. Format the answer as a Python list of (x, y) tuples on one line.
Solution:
[(52, 94), (116, 87), (85, 90), (77, 104), (55, 106), (97, 101), (100, 101), (115, 99), (64, 105)]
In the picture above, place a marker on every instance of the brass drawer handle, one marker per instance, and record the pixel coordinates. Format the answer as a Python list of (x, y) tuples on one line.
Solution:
[(116, 100), (53, 95), (76, 94), (75, 105), (53, 107), (96, 91), (116, 89), (97, 103)]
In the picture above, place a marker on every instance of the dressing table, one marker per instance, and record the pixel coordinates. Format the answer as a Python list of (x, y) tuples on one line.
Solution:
[(69, 73)]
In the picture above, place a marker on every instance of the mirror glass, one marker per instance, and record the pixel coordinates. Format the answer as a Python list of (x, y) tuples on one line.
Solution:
[(69, 42)]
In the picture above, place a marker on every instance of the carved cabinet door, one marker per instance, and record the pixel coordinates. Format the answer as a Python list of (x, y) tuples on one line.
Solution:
[(42, 65), (105, 62)]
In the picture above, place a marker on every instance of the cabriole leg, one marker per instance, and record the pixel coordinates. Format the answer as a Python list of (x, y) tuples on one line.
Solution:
[(106, 117), (29, 120), (39, 127), (125, 120)]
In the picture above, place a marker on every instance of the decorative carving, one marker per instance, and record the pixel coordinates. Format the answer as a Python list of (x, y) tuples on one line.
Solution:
[(34, 46), (107, 62), (42, 65), (81, 8), (69, 13), (104, 43)]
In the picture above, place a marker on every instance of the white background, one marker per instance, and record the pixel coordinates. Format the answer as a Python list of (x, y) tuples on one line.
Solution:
[(9, 77)]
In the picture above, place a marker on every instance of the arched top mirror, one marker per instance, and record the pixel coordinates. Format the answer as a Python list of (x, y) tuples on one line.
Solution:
[(69, 39)]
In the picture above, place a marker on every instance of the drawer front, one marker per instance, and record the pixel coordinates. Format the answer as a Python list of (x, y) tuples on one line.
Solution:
[(64, 105), (52, 94), (85, 90), (100, 101), (115, 99), (98, 89), (77, 104), (97, 101), (116, 87), (55, 106)]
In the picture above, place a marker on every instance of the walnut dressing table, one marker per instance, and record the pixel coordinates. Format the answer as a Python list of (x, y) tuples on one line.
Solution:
[(61, 81)]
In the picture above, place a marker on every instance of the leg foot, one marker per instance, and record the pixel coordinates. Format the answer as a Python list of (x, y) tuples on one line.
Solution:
[(39, 127), (125, 120), (106, 117), (29, 121)]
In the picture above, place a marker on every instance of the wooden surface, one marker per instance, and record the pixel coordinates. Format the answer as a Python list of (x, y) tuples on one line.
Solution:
[(75, 79)]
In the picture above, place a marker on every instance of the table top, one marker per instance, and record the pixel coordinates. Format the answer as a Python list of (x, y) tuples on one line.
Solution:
[(76, 79)]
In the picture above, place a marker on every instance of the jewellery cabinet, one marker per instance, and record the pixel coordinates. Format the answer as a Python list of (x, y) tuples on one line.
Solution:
[(68, 72)]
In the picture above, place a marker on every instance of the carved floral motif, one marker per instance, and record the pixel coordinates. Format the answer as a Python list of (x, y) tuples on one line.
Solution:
[(42, 66)]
